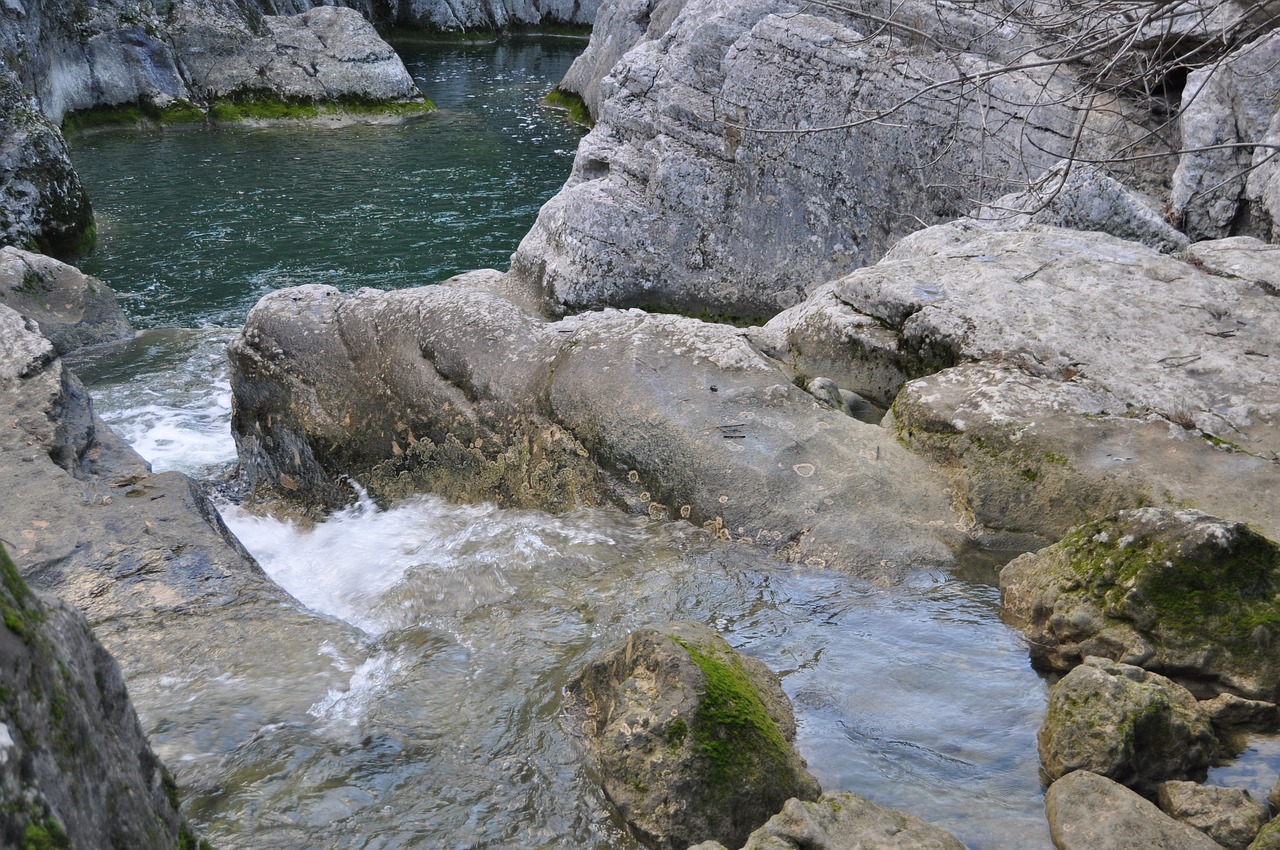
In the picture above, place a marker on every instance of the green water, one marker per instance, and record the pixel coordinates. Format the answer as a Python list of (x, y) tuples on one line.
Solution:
[(196, 225)]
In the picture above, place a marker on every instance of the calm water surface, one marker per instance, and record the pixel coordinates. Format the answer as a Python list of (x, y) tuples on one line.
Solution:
[(448, 732)]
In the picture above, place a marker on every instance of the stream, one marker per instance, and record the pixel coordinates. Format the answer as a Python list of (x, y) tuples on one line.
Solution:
[(449, 732)]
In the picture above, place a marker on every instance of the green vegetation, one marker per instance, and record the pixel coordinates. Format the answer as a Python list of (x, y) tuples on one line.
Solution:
[(138, 116), (240, 109), (45, 834), (732, 728), (20, 617), (573, 106)]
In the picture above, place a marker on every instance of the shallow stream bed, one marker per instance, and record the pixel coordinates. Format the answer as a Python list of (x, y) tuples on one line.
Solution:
[(448, 731)]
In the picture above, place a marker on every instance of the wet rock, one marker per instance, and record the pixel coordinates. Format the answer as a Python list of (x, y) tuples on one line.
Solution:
[(1090, 812), (691, 740), (42, 204), (1158, 392), (70, 308), (1227, 815), (75, 768), (844, 821), (675, 201), (1124, 723), (1180, 592), (1227, 103), (457, 389), (324, 54)]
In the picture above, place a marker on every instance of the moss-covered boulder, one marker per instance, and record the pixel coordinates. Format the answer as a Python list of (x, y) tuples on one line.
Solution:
[(1125, 723), (1175, 591), (75, 768), (692, 741)]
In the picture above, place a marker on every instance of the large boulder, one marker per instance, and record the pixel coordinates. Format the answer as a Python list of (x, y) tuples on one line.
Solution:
[(75, 768), (843, 821), (1226, 108), (1059, 375), (1124, 723), (692, 741), (42, 204), (1091, 812), (70, 308), (676, 200), (1180, 592), (1227, 815), (457, 389)]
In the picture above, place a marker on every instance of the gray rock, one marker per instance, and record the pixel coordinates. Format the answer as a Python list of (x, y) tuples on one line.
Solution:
[(672, 202), (1124, 723), (1090, 812), (324, 54), (691, 740), (1084, 197), (455, 389), (1262, 188), (1227, 815), (1232, 714), (1180, 592), (42, 204), (75, 768), (1242, 257), (844, 821), (70, 308), (1226, 103)]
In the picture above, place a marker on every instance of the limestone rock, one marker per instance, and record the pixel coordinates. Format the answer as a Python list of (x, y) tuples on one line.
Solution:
[(456, 389), (70, 308), (1124, 723), (675, 201), (75, 767), (42, 204), (1227, 103), (324, 54), (1090, 812), (1103, 368), (1227, 815), (692, 741), (1179, 592), (1084, 197), (844, 821), (1262, 187), (1232, 714)]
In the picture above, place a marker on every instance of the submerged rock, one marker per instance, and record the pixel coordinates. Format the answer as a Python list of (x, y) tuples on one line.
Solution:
[(843, 821), (692, 740), (1227, 815), (1091, 812), (75, 768), (457, 389), (1179, 592), (1124, 723)]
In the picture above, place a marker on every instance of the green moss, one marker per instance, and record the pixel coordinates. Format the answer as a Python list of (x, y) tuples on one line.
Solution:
[(141, 115), (732, 728), (45, 834), (571, 104), (20, 616), (239, 109), (677, 732)]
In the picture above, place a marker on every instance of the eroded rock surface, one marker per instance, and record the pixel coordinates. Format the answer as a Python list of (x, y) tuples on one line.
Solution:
[(1227, 815), (1179, 592), (1091, 812), (692, 741), (457, 389), (1124, 723)]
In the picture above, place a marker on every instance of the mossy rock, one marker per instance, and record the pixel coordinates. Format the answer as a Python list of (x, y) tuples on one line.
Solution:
[(1175, 591), (692, 741)]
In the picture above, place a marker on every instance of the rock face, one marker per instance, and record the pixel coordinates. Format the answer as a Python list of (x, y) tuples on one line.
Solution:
[(1090, 812), (1124, 723), (1108, 375), (675, 201), (1227, 815), (42, 204), (70, 308), (476, 398), (692, 741), (75, 768), (1180, 592), (843, 821), (1229, 103)]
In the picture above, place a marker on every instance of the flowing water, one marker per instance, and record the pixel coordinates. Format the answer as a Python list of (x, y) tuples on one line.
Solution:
[(447, 730)]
